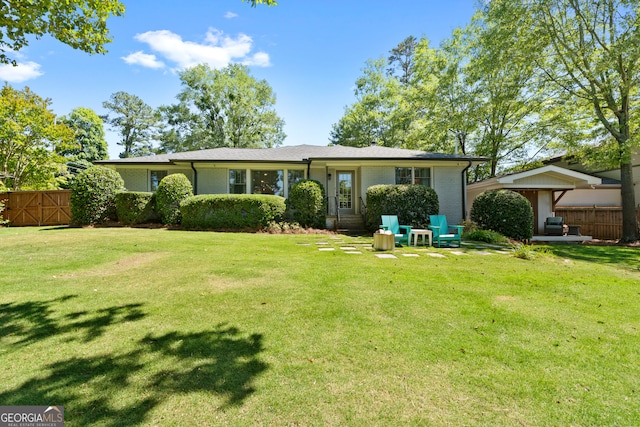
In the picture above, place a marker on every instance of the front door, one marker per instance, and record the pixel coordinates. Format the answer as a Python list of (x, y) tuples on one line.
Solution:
[(345, 192)]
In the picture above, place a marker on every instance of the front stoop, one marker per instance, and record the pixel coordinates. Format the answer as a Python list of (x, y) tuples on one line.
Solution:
[(348, 224)]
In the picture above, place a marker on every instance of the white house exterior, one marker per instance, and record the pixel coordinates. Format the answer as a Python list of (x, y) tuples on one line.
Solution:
[(346, 172)]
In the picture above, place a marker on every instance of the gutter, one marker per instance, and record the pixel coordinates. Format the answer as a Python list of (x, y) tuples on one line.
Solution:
[(464, 190), (195, 179)]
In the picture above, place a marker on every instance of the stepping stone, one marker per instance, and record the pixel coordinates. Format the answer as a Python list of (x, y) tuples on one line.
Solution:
[(458, 253), (326, 249), (387, 256), (322, 243), (304, 244), (411, 255), (347, 248), (437, 255), (483, 253), (502, 252), (353, 252)]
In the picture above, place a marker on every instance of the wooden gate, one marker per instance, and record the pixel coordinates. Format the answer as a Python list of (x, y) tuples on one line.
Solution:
[(23, 208)]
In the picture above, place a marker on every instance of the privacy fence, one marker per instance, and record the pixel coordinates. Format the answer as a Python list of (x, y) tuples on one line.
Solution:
[(23, 208), (603, 223)]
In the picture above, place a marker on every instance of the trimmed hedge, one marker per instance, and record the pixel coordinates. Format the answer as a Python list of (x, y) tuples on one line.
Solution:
[(93, 195), (412, 204), (231, 211), (135, 207), (504, 211), (307, 203), (172, 190)]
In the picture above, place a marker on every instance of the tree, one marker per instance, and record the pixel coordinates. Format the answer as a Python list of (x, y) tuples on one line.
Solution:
[(89, 136), (81, 24), (29, 139), (370, 118), (221, 108), (401, 60), (134, 120), (590, 49)]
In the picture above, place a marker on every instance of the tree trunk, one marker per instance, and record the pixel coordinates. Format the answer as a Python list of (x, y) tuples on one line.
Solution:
[(630, 229)]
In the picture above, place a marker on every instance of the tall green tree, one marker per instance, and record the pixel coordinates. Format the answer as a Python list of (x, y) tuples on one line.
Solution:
[(30, 136), (134, 120), (221, 108), (590, 50), (88, 130), (370, 119), (81, 24)]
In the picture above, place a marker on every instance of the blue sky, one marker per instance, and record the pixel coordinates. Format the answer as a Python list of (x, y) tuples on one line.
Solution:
[(310, 51)]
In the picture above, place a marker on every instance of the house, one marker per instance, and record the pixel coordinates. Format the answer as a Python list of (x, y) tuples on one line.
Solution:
[(345, 172), (585, 196)]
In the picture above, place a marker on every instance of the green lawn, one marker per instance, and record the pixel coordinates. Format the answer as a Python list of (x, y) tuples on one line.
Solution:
[(169, 328)]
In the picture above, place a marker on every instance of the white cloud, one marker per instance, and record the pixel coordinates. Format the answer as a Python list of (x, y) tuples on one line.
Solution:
[(217, 49), (230, 15), (259, 59), (21, 73), (143, 59)]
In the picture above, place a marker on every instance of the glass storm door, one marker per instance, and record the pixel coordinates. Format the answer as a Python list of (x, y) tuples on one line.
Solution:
[(345, 192)]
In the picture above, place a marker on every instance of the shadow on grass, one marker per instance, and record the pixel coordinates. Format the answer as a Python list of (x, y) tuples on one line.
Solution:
[(120, 389), (27, 322), (627, 257)]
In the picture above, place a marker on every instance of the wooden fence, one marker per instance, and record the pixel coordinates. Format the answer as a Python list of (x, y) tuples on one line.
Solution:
[(603, 223), (23, 208)]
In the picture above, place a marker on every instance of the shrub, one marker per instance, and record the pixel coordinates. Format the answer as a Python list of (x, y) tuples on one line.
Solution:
[(172, 190), (487, 236), (93, 195), (135, 207), (411, 203), (231, 211), (307, 203), (505, 212)]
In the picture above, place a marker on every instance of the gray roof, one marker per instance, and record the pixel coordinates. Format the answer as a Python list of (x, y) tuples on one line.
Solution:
[(295, 153)]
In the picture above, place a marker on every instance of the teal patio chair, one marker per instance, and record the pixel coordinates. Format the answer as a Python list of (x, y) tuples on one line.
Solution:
[(401, 232), (442, 231)]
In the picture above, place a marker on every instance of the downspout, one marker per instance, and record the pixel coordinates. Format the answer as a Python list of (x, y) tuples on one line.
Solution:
[(464, 190), (195, 179)]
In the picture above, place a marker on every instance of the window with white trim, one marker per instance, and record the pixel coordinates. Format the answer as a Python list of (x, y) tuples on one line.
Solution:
[(410, 175)]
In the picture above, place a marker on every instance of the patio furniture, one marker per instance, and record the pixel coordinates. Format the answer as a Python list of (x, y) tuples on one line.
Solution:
[(401, 232), (417, 232), (553, 226), (442, 231), (574, 230), (383, 241)]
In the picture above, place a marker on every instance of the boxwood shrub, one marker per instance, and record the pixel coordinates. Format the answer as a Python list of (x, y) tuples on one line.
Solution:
[(412, 204), (231, 211), (307, 203), (93, 195), (505, 212), (136, 207), (172, 190)]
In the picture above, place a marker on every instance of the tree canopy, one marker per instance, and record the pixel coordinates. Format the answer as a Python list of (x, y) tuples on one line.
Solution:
[(221, 108), (81, 24), (29, 138), (89, 136), (134, 120)]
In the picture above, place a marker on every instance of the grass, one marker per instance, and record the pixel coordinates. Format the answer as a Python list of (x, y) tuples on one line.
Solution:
[(157, 327)]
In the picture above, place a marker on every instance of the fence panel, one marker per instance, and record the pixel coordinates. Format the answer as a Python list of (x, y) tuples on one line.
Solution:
[(603, 223), (25, 208)]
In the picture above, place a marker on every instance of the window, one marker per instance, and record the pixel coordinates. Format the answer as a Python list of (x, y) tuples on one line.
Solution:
[(155, 178), (403, 175), (421, 176), (237, 181), (294, 176), (267, 182)]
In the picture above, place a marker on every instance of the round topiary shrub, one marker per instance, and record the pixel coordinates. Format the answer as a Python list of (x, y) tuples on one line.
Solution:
[(412, 204), (504, 211), (171, 191), (93, 195), (307, 203)]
